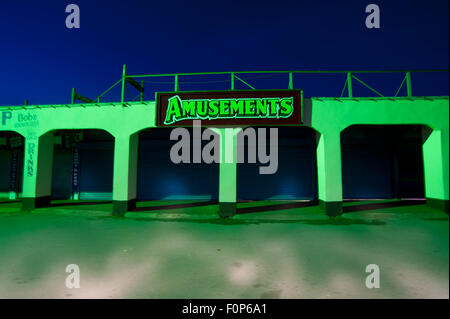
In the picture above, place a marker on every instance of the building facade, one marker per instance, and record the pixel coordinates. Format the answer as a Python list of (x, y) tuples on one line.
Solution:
[(123, 124)]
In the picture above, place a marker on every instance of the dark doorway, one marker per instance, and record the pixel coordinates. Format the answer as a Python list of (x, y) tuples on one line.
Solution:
[(159, 178), (11, 165), (83, 165), (382, 162), (296, 177)]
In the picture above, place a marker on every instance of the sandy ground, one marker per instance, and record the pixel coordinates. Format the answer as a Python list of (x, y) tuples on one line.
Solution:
[(190, 253)]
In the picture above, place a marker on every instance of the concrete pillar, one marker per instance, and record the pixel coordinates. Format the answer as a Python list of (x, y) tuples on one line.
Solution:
[(329, 173), (227, 171), (125, 173), (436, 162), (37, 171)]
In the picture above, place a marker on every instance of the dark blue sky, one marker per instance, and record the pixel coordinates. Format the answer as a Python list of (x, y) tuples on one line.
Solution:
[(41, 59)]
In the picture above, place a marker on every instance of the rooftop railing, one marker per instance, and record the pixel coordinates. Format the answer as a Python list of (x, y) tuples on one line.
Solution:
[(351, 78), (350, 81)]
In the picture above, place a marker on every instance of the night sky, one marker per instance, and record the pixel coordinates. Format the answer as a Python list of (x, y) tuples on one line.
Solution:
[(41, 59)]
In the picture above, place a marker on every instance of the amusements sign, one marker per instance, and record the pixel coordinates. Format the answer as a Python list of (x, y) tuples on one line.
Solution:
[(229, 108)]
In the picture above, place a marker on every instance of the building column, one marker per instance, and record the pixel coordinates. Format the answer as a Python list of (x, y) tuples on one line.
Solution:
[(37, 171), (329, 173), (436, 162), (125, 173), (227, 171)]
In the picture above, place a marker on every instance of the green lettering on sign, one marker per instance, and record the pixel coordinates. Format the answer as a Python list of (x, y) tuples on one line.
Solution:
[(232, 108)]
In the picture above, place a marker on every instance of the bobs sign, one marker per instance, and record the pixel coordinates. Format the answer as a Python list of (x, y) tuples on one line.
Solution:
[(229, 108)]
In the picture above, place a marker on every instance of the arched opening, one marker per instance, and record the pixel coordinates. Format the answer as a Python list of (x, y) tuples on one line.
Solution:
[(11, 165), (161, 179), (296, 175), (382, 162), (82, 165)]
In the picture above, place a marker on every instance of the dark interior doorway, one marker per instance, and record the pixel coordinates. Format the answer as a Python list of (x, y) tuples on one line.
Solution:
[(382, 162)]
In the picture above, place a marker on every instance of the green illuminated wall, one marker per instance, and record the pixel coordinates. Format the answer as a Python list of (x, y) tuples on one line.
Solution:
[(328, 116), (331, 116)]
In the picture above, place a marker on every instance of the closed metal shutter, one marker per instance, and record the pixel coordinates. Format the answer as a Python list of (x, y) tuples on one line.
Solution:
[(62, 174), (296, 177), (96, 174), (159, 178)]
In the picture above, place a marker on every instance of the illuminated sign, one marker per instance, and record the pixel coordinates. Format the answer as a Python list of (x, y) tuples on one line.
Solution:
[(229, 108)]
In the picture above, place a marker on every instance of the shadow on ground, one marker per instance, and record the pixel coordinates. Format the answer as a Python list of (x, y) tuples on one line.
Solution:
[(382, 205), (78, 203)]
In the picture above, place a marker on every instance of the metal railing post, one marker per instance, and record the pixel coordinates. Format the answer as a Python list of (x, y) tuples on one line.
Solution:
[(291, 84), (176, 84), (349, 84), (124, 74), (232, 81), (142, 93), (72, 99), (408, 84)]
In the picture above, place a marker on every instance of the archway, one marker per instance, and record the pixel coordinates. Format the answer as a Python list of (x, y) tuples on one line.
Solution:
[(82, 165), (382, 162)]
